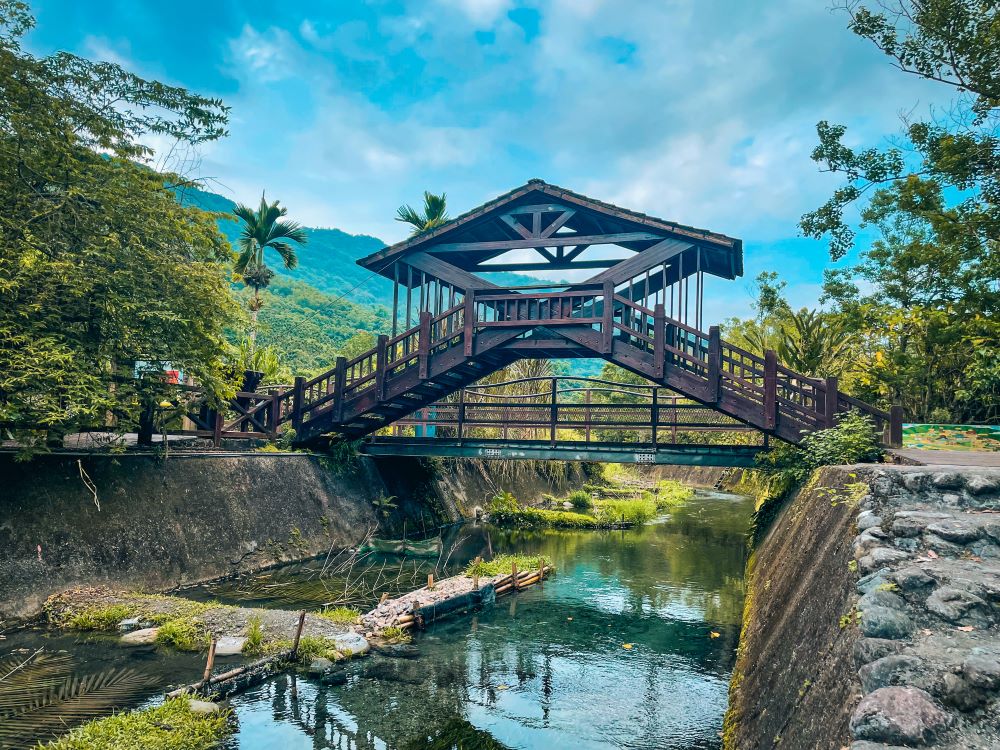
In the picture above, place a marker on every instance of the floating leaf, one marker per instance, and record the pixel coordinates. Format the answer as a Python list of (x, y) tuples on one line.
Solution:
[(627, 645), (965, 628), (713, 634)]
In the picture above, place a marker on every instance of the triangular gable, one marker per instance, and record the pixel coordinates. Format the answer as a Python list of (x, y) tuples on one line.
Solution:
[(477, 233)]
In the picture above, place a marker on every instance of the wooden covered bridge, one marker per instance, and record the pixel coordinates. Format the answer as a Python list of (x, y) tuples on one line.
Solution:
[(640, 305)]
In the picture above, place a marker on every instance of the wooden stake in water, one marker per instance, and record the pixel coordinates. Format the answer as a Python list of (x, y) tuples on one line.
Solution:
[(513, 575), (298, 635), (210, 663), (475, 577), (430, 581)]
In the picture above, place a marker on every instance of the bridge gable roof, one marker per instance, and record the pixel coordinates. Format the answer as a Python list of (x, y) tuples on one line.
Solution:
[(481, 224)]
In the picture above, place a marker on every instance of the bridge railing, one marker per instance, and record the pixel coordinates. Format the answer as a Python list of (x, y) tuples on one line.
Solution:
[(569, 408)]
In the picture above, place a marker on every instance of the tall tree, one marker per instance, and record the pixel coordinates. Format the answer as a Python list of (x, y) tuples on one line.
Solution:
[(264, 230), (102, 272), (925, 294), (434, 213)]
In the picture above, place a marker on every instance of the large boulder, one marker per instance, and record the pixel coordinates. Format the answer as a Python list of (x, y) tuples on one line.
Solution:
[(899, 716)]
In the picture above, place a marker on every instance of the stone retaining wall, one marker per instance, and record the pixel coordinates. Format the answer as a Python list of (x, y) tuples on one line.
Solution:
[(872, 615)]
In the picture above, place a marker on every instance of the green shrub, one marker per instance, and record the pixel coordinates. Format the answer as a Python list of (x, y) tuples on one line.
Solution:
[(169, 726), (853, 440), (581, 500)]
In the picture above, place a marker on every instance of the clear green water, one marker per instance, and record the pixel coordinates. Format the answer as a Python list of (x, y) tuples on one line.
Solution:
[(545, 668)]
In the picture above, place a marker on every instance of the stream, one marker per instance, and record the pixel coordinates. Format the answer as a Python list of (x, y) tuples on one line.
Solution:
[(629, 645)]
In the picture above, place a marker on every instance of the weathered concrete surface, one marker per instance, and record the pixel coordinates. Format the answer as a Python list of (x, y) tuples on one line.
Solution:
[(882, 583), (157, 523), (708, 477), (161, 523), (795, 683)]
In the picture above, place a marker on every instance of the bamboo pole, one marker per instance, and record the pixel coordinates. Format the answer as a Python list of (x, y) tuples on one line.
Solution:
[(209, 663), (298, 635)]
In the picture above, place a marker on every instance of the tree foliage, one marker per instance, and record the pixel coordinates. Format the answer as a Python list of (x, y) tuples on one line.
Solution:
[(100, 267), (434, 213), (924, 295)]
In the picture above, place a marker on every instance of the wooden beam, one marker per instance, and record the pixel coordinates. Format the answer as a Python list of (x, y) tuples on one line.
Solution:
[(642, 261), (556, 241), (556, 225), (566, 264), (445, 271), (516, 226)]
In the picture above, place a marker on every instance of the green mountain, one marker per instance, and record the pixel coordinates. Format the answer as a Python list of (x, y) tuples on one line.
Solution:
[(329, 260), (310, 313)]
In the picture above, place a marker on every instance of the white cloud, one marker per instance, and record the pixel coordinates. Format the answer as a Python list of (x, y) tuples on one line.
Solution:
[(482, 13), (267, 57)]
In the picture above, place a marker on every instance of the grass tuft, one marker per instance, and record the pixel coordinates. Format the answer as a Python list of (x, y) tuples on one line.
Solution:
[(170, 726), (501, 565), (342, 615)]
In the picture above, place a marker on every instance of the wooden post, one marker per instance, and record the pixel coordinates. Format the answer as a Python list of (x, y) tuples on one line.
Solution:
[(553, 415), (673, 422), (275, 410), (298, 635), (339, 386), (896, 426), (770, 389), (424, 345), (217, 429), (209, 663), (298, 395), (714, 364), (654, 413), (659, 332), (475, 578), (607, 321), (461, 414), (469, 321), (832, 399), (146, 426), (430, 581), (513, 575), (381, 365), (385, 595)]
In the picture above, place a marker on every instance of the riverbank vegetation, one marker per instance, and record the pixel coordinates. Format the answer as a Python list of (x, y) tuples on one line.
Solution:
[(593, 507), (503, 565), (173, 725)]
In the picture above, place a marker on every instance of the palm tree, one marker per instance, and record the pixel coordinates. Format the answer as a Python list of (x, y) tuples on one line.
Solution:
[(814, 343), (263, 229), (434, 215)]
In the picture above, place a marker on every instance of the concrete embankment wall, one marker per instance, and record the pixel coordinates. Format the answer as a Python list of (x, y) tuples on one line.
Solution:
[(159, 523), (873, 615)]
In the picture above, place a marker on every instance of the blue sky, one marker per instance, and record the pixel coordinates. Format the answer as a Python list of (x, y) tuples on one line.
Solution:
[(698, 111)]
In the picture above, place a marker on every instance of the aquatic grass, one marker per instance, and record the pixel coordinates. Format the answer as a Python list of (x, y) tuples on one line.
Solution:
[(98, 618), (393, 634), (634, 512), (502, 565), (157, 609), (183, 633), (254, 643), (342, 615), (669, 494), (169, 726)]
